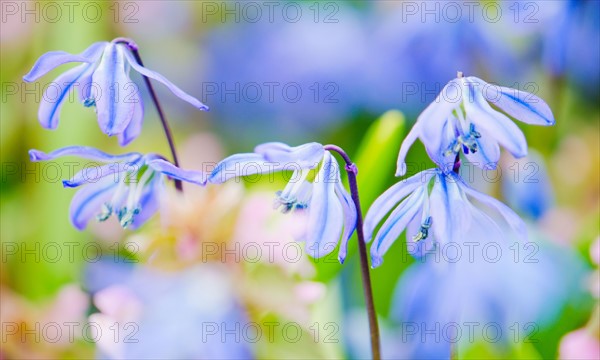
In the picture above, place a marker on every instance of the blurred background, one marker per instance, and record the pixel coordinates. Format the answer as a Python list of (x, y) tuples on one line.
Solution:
[(218, 273)]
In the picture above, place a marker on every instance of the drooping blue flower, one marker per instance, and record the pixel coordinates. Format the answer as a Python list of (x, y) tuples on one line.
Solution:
[(462, 120), (433, 207), (331, 213), (102, 80), (128, 185), (488, 290)]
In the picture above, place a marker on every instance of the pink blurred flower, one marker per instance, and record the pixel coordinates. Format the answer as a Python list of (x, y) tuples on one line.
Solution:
[(580, 344), (119, 307), (272, 237)]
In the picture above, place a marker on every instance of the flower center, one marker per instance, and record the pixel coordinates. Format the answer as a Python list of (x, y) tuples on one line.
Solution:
[(125, 202), (468, 142), (295, 195)]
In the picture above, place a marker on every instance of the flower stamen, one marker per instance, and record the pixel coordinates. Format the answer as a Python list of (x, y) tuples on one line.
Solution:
[(423, 230)]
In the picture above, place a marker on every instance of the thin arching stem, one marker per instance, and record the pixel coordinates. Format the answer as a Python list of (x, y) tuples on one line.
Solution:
[(352, 171), (132, 46)]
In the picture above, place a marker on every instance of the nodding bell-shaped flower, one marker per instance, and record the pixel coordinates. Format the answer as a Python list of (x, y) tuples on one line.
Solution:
[(432, 206), (331, 213), (128, 186), (465, 118), (102, 80)]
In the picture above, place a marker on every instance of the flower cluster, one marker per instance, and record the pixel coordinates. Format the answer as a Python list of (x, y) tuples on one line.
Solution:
[(130, 185), (469, 120), (434, 205)]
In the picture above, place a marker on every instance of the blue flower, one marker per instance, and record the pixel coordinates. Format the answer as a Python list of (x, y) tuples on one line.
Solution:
[(488, 281), (433, 207), (462, 119), (102, 81), (330, 209), (128, 185)]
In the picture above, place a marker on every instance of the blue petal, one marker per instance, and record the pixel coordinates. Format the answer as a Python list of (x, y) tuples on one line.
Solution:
[(112, 95), (504, 130), (350, 218), (165, 167), (134, 128), (149, 202), (50, 105), (93, 174), (521, 105), (305, 156), (268, 158), (408, 141), (83, 152), (239, 165), (392, 196), (325, 214), (158, 77), (88, 201), (515, 222), (439, 155), (439, 206), (395, 224), (84, 84), (449, 210), (53, 59), (430, 123)]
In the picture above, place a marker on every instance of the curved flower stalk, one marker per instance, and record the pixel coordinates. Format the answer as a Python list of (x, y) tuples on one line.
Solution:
[(464, 119), (128, 186), (432, 206), (103, 81), (331, 213)]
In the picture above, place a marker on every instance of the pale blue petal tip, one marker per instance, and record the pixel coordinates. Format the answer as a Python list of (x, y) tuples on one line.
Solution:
[(376, 261), (36, 155), (400, 170)]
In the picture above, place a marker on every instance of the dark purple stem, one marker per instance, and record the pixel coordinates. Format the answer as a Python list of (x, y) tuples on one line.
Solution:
[(352, 171), (132, 46)]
